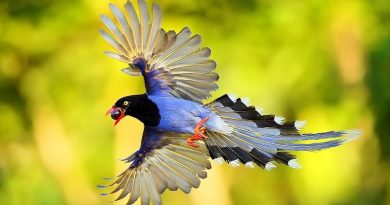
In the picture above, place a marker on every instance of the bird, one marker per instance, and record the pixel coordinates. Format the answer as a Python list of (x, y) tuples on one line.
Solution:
[(182, 134)]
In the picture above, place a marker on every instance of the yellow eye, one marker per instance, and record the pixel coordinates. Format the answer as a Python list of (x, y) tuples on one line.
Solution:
[(126, 103)]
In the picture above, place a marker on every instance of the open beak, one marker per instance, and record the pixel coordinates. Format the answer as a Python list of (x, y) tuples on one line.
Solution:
[(116, 114), (110, 110)]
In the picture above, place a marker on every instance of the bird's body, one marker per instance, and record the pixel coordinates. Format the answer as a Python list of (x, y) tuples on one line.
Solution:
[(176, 119), (182, 133)]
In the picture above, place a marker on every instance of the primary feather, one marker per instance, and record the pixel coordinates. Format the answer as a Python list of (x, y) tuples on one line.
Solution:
[(177, 64), (178, 76)]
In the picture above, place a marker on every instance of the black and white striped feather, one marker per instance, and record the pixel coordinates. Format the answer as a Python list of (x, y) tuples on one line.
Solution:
[(261, 139)]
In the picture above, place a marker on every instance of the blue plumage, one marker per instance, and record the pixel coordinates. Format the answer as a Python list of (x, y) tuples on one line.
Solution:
[(179, 115), (181, 133)]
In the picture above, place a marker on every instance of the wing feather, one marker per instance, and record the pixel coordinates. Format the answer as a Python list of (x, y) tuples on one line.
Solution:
[(135, 192), (145, 192), (161, 42), (194, 58), (195, 77), (171, 38), (121, 18), (187, 173), (153, 193), (172, 63), (179, 52), (154, 30), (160, 180), (123, 185), (117, 56), (188, 162), (181, 92), (134, 25), (202, 67), (144, 22), (163, 161), (179, 179), (181, 38), (169, 179), (116, 32), (117, 46)]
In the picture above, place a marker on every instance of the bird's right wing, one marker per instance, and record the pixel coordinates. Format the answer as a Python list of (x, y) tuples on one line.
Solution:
[(171, 64), (164, 161)]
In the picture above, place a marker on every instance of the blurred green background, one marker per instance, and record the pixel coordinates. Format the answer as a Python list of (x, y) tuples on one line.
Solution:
[(324, 61)]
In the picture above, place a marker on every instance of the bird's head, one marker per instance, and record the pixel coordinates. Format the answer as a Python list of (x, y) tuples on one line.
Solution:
[(138, 106), (125, 106)]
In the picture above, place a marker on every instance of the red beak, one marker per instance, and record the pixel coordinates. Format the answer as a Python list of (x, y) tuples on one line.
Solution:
[(110, 110), (119, 118), (116, 113)]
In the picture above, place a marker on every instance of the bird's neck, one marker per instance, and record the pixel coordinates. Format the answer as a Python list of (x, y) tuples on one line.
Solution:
[(148, 112)]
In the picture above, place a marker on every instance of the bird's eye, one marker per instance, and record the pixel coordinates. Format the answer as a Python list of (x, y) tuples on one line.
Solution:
[(126, 103)]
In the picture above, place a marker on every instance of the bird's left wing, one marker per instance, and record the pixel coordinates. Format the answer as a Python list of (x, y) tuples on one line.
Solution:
[(171, 64), (164, 161)]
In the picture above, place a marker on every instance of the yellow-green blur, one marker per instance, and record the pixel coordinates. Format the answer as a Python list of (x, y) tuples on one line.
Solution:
[(327, 62)]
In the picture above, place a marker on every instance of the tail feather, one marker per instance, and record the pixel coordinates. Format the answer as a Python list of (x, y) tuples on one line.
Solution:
[(260, 139), (227, 104)]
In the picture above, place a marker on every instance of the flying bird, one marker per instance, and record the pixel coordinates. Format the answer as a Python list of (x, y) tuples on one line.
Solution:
[(181, 133)]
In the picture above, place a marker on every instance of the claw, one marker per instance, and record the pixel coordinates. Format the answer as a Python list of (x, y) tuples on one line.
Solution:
[(199, 131), (191, 142)]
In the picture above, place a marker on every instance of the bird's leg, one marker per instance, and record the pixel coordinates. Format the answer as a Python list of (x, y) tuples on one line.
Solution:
[(199, 131)]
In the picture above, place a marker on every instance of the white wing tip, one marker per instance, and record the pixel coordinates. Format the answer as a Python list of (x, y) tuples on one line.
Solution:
[(269, 166), (260, 110), (129, 71), (219, 160), (250, 164), (352, 134), (246, 101), (300, 124), (112, 6), (279, 120), (293, 163), (232, 97), (235, 163), (103, 17)]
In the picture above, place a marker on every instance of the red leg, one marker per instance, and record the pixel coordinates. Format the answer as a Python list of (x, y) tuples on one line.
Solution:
[(199, 131)]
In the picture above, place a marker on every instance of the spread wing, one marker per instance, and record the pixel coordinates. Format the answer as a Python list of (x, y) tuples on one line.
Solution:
[(171, 63), (164, 161)]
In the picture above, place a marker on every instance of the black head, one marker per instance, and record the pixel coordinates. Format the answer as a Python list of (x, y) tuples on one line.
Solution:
[(138, 106)]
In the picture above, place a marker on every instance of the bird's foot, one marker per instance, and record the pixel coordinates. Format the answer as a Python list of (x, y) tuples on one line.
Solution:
[(199, 131)]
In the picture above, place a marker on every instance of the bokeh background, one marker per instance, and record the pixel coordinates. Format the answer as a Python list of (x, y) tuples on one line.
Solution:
[(324, 61)]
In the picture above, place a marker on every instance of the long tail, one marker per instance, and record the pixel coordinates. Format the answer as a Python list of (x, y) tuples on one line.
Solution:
[(261, 139)]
